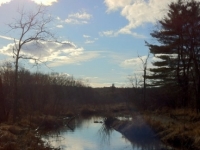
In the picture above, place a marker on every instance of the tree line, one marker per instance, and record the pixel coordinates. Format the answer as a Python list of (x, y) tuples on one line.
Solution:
[(50, 94)]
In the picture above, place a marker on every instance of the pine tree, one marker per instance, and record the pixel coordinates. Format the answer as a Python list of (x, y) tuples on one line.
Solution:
[(178, 49)]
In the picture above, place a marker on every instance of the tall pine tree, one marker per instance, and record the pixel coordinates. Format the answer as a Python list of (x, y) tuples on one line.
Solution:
[(178, 49)]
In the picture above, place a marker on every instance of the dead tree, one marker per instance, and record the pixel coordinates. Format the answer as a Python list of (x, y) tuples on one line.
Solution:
[(31, 27), (144, 69)]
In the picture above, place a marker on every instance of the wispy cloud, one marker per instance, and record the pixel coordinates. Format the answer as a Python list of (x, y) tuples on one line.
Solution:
[(80, 15), (89, 41), (6, 37), (86, 36), (136, 64), (55, 54), (109, 33), (112, 33), (75, 21), (59, 26), (45, 2), (78, 18), (132, 62)]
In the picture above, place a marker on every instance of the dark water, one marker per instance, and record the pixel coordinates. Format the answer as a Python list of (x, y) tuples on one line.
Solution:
[(84, 134)]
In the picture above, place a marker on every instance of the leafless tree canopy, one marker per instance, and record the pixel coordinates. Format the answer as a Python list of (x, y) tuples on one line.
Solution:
[(31, 27)]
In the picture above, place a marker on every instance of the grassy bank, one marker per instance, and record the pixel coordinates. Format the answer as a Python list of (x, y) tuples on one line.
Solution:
[(26, 133), (179, 128)]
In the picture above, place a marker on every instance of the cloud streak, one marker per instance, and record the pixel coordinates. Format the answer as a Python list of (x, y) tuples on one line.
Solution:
[(6, 38), (55, 54), (111, 33), (78, 18)]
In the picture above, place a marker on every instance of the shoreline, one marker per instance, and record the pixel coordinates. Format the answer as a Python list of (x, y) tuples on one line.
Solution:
[(179, 128), (23, 135)]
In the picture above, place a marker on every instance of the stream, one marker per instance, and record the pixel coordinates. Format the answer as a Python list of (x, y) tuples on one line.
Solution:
[(91, 134)]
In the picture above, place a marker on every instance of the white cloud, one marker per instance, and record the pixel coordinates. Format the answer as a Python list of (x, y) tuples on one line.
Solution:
[(138, 12), (78, 18), (6, 37), (45, 2), (114, 5), (78, 15), (136, 63), (130, 63), (4, 1), (59, 26), (109, 33), (112, 33), (75, 21), (89, 41), (58, 18), (86, 36), (55, 54)]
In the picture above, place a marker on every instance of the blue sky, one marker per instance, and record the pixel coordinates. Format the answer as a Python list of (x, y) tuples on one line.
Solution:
[(104, 37)]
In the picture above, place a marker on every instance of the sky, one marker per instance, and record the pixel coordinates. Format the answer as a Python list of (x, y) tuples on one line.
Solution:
[(102, 39)]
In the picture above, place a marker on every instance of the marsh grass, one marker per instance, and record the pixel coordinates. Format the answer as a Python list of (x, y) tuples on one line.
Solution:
[(181, 128)]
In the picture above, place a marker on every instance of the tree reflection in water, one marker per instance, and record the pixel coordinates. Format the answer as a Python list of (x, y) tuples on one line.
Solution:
[(141, 137), (105, 132)]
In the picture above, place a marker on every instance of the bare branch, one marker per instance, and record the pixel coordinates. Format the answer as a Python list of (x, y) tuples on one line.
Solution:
[(32, 27)]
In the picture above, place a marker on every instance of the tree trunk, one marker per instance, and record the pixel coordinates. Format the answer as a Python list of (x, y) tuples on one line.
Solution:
[(15, 104), (198, 96), (3, 116)]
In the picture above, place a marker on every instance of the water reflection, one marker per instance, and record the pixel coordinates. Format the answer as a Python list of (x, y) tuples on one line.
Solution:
[(88, 135), (105, 133)]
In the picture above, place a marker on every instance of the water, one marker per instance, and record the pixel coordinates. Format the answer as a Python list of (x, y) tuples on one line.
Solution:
[(84, 134)]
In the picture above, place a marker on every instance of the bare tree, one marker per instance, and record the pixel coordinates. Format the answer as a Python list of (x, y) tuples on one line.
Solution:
[(144, 69), (31, 27), (135, 80)]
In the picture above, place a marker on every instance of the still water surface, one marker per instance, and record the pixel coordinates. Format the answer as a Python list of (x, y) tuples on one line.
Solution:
[(87, 135)]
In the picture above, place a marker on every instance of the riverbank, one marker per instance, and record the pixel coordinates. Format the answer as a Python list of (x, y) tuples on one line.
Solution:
[(179, 128), (26, 133), (137, 131)]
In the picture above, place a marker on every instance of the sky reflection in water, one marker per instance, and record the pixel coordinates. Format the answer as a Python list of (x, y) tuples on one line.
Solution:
[(93, 136)]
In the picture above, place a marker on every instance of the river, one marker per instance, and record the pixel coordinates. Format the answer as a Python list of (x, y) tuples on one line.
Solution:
[(91, 134)]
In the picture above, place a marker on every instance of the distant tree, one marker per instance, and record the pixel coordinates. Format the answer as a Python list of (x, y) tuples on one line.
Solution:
[(113, 87), (144, 69), (31, 27), (135, 80)]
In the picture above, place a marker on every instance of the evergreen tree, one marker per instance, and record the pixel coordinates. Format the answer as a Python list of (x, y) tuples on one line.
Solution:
[(178, 49)]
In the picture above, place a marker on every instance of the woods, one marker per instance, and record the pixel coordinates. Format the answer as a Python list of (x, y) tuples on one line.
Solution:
[(50, 94)]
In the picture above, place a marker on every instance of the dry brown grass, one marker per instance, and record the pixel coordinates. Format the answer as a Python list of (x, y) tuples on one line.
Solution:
[(22, 134), (181, 130)]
